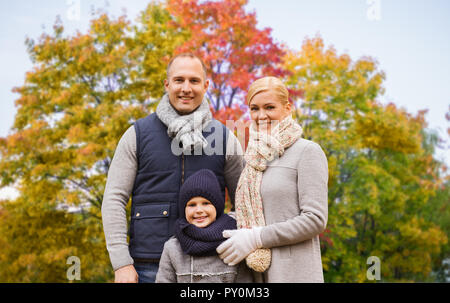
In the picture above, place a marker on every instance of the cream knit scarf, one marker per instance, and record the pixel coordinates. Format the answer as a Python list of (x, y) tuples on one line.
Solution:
[(262, 148)]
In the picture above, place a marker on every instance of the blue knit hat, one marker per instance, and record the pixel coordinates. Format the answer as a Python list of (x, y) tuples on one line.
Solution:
[(202, 183)]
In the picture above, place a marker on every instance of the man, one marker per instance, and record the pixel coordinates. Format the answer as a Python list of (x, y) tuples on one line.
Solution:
[(152, 160)]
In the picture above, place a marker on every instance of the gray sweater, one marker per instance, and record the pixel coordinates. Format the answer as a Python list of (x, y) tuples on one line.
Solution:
[(177, 267), (119, 186)]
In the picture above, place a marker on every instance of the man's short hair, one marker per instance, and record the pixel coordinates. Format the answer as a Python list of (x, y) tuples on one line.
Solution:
[(189, 55)]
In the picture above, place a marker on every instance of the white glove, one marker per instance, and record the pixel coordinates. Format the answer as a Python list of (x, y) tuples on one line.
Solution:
[(240, 244)]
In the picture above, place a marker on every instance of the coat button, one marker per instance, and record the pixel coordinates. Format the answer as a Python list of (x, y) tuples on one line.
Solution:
[(165, 213)]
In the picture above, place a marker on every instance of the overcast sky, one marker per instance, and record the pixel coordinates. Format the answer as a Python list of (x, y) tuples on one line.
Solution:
[(409, 38)]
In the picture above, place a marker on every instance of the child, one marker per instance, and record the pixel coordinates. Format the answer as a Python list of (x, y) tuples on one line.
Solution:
[(190, 256)]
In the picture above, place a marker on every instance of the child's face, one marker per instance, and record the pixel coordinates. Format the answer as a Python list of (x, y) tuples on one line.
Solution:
[(200, 212)]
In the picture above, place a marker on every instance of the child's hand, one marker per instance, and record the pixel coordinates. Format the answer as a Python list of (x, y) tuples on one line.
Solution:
[(240, 244)]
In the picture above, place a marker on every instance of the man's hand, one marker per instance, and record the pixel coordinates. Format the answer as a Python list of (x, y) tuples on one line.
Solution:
[(126, 274)]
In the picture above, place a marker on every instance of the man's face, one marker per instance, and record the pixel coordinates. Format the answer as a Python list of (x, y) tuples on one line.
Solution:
[(186, 84)]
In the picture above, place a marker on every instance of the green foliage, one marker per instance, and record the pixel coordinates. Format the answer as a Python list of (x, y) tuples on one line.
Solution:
[(37, 240), (437, 210), (382, 173)]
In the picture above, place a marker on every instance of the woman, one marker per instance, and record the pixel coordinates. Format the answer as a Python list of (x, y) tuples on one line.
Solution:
[(282, 195)]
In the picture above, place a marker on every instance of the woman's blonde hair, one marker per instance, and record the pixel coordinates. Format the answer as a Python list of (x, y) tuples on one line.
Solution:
[(268, 84)]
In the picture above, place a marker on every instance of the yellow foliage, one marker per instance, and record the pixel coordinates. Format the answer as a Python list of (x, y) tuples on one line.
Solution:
[(388, 128)]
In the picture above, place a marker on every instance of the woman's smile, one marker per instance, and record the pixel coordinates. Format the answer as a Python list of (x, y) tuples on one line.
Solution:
[(265, 110)]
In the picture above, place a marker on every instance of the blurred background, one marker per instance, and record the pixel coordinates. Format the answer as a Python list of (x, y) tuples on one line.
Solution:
[(369, 80)]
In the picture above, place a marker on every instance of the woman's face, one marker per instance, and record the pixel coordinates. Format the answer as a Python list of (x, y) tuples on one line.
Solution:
[(200, 212), (266, 109)]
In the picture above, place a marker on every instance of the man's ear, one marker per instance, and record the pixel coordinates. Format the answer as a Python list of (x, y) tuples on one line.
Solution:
[(206, 84), (166, 84)]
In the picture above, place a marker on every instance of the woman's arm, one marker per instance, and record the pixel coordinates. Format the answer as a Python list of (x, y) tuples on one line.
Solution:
[(313, 202)]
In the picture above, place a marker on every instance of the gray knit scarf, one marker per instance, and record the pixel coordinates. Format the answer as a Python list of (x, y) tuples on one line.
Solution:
[(186, 129)]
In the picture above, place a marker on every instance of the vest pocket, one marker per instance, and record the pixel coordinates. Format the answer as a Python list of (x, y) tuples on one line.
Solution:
[(150, 226)]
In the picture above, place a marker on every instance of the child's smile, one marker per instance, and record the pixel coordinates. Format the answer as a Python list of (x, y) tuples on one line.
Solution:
[(200, 212)]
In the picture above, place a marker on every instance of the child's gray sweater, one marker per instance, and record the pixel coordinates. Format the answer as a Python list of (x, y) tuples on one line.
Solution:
[(177, 267)]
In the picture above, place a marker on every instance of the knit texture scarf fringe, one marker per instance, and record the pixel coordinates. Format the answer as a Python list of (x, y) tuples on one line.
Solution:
[(186, 129), (262, 149)]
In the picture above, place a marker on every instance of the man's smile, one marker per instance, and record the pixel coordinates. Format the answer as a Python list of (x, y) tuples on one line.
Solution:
[(185, 99)]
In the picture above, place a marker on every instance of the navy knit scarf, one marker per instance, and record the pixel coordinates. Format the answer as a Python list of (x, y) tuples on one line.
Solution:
[(198, 241)]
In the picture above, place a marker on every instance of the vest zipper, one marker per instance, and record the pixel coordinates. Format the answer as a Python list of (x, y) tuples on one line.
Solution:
[(182, 169)]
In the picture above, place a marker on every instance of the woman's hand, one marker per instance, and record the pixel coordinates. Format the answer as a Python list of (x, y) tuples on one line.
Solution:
[(240, 244)]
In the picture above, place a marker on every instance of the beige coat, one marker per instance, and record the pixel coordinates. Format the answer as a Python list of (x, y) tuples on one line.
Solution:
[(294, 193)]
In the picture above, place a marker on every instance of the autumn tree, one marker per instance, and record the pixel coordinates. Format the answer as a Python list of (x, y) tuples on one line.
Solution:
[(83, 92), (381, 167), (437, 210), (234, 49), (37, 241)]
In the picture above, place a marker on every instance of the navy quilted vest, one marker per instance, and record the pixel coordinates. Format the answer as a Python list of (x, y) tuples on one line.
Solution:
[(158, 180)]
